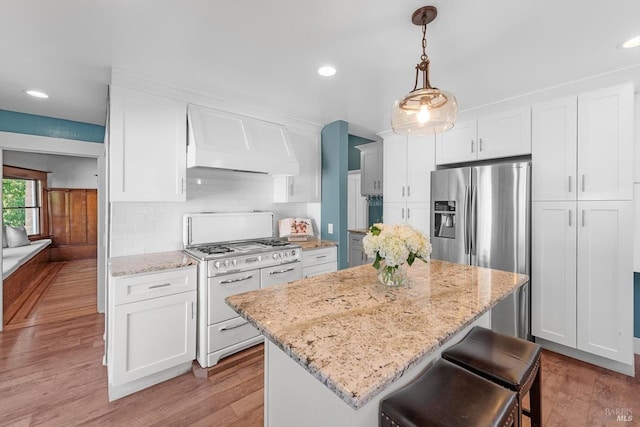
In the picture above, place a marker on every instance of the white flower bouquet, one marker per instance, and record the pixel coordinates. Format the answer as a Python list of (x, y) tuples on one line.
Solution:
[(392, 246)]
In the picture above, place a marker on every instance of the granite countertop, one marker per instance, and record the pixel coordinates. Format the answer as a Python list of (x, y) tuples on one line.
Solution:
[(358, 230), (315, 244), (357, 336), (135, 264)]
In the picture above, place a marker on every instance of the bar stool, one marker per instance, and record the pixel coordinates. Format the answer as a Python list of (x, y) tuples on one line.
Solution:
[(448, 395), (511, 362)]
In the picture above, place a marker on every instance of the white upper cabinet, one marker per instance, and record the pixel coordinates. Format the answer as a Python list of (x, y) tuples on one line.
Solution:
[(459, 144), (499, 135), (554, 146), (409, 161), (304, 187), (583, 146), (605, 144), (371, 165), (147, 146)]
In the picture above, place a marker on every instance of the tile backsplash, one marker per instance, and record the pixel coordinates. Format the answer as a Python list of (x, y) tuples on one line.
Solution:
[(138, 228)]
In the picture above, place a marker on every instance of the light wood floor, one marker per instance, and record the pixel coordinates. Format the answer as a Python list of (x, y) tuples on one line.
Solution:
[(67, 291), (52, 374)]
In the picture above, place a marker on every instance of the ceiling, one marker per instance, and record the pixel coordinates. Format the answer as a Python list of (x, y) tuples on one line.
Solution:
[(265, 53)]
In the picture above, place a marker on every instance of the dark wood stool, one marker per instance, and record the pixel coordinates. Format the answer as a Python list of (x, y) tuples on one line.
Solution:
[(448, 395), (511, 362)]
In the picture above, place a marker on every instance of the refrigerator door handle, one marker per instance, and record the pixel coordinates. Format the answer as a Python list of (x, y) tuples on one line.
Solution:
[(473, 221), (465, 209)]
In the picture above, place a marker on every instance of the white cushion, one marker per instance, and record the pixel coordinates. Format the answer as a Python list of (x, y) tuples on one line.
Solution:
[(16, 236)]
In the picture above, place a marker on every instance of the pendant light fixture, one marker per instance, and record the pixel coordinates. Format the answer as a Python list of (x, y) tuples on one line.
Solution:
[(427, 109)]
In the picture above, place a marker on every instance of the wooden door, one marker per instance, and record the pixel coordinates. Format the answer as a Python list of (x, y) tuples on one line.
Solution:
[(58, 222)]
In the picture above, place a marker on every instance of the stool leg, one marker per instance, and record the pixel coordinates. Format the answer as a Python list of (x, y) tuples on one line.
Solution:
[(535, 399)]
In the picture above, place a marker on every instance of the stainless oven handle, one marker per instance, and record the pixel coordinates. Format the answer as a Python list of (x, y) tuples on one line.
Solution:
[(239, 279), (227, 328), (282, 271)]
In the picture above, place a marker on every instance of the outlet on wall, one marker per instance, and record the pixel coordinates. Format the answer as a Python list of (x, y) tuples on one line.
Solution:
[(330, 228)]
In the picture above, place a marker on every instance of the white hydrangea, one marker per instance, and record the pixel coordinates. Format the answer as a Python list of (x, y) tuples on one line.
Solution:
[(395, 244)]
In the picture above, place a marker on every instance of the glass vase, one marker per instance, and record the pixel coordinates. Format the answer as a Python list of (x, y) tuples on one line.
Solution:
[(392, 276)]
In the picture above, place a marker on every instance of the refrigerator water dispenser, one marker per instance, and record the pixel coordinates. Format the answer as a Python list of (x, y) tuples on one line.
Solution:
[(445, 219)]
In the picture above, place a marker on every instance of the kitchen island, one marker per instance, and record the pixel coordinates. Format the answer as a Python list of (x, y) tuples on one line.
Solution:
[(338, 343)]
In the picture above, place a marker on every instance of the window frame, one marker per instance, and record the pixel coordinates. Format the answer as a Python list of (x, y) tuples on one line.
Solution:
[(13, 172)]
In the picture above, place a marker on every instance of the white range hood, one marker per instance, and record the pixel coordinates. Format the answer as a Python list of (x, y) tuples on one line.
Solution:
[(222, 140)]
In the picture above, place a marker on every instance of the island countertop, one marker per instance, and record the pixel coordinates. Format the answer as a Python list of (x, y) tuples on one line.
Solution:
[(356, 335)]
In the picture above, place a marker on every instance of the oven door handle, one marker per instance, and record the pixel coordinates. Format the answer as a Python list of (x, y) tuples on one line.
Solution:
[(286, 270), (227, 328), (239, 279)]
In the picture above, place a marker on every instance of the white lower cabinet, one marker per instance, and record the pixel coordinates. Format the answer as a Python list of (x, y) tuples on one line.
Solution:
[(152, 329), (417, 215), (582, 275), (319, 261)]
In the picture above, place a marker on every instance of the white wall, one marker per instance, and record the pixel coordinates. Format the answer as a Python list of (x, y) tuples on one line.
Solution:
[(138, 228), (63, 171)]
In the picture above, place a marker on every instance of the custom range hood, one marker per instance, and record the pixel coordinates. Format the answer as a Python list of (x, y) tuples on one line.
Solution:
[(222, 140)]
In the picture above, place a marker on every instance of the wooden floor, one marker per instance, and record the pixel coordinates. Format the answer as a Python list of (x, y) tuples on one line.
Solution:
[(52, 374), (67, 291)]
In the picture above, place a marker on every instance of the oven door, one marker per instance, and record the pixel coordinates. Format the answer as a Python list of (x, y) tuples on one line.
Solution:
[(278, 274), (223, 286)]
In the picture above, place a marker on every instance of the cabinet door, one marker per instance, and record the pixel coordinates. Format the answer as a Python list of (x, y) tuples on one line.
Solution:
[(553, 149), (304, 187), (553, 272), (77, 217), (357, 211), (58, 216), (421, 153), (92, 216), (605, 276), (394, 213), (147, 144), (605, 144), (153, 335), (505, 134), (458, 144), (369, 162), (395, 172), (419, 217)]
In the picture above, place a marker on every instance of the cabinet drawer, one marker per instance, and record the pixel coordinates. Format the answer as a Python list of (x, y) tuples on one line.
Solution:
[(319, 256), (356, 239), (223, 286), (140, 287), (229, 332), (317, 270)]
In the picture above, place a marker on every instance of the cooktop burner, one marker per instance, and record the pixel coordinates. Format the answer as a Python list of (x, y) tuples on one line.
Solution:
[(274, 242), (215, 249)]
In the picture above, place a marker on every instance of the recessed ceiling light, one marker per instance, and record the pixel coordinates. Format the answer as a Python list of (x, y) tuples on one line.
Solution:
[(326, 71), (36, 94), (632, 42)]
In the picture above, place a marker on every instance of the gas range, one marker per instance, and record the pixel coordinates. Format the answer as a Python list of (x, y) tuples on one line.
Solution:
[(232, 257), (238, 254)]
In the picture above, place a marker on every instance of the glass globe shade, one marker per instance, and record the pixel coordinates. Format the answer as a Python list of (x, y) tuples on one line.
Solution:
[(424, 111)]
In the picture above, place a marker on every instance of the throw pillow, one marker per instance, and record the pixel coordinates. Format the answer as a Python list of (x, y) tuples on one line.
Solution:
[(4, 237), (16, 236)]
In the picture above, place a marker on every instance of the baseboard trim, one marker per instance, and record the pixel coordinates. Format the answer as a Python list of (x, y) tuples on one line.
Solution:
[(636, 345), (603, 362)]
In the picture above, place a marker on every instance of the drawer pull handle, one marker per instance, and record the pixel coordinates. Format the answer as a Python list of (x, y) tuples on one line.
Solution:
[(286, 270), (227, 328), (321, 256), (239, 279), (164, 285)]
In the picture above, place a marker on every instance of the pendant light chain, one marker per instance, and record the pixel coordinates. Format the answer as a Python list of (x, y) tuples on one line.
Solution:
[(424, 56)]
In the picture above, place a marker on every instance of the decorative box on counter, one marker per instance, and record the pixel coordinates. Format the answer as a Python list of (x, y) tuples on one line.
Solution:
[(295, 229)]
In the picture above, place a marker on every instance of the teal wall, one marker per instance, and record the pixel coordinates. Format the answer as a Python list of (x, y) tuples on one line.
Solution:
[(354, 153), (11, 121), (636, 305), (335, 145)]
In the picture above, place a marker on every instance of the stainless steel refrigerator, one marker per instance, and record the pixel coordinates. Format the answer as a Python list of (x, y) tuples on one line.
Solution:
[(481, 216)]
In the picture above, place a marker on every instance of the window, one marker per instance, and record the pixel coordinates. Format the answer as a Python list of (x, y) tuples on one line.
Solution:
[(22, 203)]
